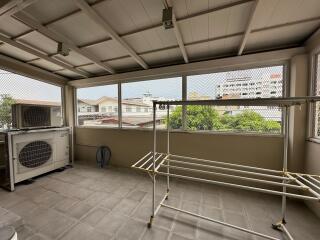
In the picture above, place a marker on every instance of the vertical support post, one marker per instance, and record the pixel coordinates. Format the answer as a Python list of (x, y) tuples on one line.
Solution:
[(10, 153), (168, 148), (285, 159), (119, 106), (184, 107), (154, 165)]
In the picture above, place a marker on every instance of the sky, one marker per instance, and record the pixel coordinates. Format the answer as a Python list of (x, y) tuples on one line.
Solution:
[(22, 87)]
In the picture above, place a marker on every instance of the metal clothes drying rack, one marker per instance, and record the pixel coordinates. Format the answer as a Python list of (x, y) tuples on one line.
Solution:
[(304, 186)]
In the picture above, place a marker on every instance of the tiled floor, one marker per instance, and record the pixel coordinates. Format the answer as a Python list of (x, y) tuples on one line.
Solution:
[(89, 203)]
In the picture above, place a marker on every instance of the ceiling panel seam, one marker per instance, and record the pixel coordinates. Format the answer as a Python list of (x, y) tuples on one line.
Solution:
[(54, 35)]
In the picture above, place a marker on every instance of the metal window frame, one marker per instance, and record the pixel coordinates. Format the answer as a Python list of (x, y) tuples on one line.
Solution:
[(286, 85), (61, 86), (311, 121), (285, 93)]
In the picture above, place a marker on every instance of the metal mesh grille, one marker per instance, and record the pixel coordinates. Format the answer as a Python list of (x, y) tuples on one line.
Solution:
[(137, 100), (98, 106), (19, 91), (35, 154), (34, 116), (264, 82), (317, 93)]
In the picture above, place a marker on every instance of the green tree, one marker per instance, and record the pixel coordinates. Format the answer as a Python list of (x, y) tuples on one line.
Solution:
[(208, 118), (199, 118), (5, 110)]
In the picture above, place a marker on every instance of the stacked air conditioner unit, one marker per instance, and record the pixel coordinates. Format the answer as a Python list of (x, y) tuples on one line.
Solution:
[(36, 146)]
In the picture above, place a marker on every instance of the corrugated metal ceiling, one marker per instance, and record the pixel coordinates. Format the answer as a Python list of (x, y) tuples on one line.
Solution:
[(208, 28)]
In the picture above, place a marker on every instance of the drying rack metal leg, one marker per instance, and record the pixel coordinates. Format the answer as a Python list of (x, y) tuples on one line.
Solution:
[(168, 150)]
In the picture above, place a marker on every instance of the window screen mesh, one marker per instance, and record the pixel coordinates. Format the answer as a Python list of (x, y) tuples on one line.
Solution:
[(19, 92), (266, 82), (317, 93), (98, 106), (137, 103)]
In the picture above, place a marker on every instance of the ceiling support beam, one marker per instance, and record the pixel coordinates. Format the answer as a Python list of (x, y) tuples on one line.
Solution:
[(206, 40), (218, 65), (19, 67), (249, 27), (177, 32), (41, 56), (84, 6), (13, 7), (31, 22), (223, 7)]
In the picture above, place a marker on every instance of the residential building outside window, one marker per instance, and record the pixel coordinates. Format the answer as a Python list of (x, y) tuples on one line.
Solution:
[(140, 96), (96, 104), (255, 119)]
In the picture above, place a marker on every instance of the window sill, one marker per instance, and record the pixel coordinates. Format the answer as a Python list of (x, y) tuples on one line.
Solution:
[(185, 131), (314, 140)]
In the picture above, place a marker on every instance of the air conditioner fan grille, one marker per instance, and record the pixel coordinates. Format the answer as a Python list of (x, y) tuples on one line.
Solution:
[(35, 154)]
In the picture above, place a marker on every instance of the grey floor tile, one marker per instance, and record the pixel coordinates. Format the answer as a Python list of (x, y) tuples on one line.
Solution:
[(125, 206), (79, 210), (24, 208), (155, 234), (48, 198), (96, 198), (236, 218), (136, 195), (95, 216), (165, 218), (110, 202), (111, 223), (132, 230), (82, 231), (38, 236), (116, 203), (211, 212), (209, 230), (65, 204), (175, 236), (186, 226), (24, 232), (56, 225)]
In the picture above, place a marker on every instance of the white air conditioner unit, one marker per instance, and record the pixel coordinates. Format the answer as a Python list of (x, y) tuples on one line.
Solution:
[(28, 116), (36, 152)]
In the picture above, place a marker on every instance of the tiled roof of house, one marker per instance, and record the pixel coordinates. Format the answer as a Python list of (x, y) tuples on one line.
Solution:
[(37, 102)]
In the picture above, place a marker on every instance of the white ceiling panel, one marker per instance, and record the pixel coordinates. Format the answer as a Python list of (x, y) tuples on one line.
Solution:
[(204, 35), (94, 69), (125, 63), (69, 74), (80, 29), (40, 41), (214, 48), (163, 57), (275, 12), (184, 8), (74, 59), (16, 52), (114, 14), (48, 10), (280, 36), (46, 65), (167, 36), (107, 50), (154, 10), (12, 27), (135, 10)]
